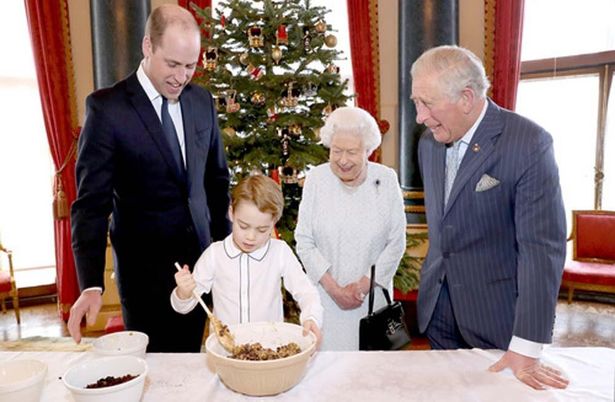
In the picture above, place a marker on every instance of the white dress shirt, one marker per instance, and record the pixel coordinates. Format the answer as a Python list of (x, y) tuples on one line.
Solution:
[(175, 109), (246, 287)]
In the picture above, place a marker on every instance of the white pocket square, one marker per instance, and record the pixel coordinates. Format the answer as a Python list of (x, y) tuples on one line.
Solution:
[(486, 182)]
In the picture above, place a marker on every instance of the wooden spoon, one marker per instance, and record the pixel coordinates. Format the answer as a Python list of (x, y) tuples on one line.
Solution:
[(226, 339)]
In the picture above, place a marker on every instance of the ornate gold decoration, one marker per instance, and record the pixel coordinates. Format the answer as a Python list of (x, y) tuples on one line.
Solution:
[(414, 195), (255, 36), (414, 209), (276, 54), (210, 58), (330, 40)]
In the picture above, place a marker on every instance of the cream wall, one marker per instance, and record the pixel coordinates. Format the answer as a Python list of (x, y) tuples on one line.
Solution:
[(81, 46), (471, 32)]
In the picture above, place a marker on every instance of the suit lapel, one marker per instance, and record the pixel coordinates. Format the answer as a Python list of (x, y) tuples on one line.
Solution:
[(438, 166), (478, 151), (189, 132), (150, 119)]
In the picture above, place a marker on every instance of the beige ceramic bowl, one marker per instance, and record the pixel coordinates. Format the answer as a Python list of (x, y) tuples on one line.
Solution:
[(22, 380), (80, 375), (122, 343), (269, 377)]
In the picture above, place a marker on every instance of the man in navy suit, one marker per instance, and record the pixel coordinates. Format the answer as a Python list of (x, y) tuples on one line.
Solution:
[(497, 229), (151, 157)]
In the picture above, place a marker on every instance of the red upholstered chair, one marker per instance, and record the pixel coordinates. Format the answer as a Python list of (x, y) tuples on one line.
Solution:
[(8, 288), (592, 266)]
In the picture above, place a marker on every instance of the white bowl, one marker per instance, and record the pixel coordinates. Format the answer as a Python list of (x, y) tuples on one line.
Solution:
[(22, 380), (268, 377), (122, 343), (79, 376)]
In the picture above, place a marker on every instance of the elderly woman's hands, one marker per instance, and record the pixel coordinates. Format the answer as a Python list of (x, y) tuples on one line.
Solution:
[(348, 297)]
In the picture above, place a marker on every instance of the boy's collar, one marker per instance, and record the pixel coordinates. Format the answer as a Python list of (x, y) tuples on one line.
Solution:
[(232, 251)]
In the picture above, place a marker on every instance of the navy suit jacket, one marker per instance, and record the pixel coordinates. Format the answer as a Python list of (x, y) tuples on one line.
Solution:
[(125, 169), (501, 250)]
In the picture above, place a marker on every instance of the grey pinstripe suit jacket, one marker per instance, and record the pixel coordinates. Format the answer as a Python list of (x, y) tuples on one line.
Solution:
[(502, 250)]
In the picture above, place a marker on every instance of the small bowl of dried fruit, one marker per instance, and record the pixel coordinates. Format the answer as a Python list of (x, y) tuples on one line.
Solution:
[(269, 357), (114, 378)]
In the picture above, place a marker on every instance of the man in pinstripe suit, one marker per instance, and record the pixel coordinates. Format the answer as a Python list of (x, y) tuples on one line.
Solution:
[(497, 230)]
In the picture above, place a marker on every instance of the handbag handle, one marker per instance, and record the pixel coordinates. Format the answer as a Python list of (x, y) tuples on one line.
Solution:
[(371, 291)]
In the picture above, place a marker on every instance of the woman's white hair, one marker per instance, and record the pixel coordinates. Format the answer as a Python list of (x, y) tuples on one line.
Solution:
[(352, 120), (457, 69)]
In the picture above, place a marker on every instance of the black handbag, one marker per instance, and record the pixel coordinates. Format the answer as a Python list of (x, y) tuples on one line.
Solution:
[(384, 329)]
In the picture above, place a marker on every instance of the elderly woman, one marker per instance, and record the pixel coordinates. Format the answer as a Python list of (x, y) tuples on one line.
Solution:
[(351, 217)]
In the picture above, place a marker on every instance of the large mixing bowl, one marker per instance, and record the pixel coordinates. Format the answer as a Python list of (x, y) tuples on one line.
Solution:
[(268, 377)]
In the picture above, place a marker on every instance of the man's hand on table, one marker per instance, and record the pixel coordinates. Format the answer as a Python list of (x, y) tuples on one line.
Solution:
[(88, 304), (530, 371)]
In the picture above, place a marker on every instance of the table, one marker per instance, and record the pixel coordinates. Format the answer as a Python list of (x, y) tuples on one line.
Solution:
[(459, 375)]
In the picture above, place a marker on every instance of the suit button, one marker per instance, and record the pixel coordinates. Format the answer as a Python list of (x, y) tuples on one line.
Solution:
[(445, 254)]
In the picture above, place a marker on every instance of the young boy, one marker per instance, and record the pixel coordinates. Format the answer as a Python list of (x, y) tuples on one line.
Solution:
[(244, 271)]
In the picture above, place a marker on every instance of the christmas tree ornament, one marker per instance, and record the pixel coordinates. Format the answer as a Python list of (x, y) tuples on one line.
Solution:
[(232, 105), (332, 69), (220, 103), (255, 36), (230, 131), (258, 98), (290, 97), (222, 21), (284, 140), (307, 39), (310, 90), (272, 114), (327, 110), (288, 174), (281, 35), (295, 129), (276, 54), (255, 72), (316, 132), (321, 26), (244, 58), (330, 40), (210, 58)]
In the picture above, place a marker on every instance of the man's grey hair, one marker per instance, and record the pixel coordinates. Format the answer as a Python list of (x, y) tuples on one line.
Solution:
[(352, 120), (456, 67)]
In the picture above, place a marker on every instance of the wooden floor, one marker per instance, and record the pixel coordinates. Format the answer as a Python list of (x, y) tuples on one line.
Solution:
[(582, 323)]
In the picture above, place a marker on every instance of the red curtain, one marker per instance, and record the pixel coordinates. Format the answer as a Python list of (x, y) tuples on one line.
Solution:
[(364, 49), (49, 32), (199, 3), (503, 34)]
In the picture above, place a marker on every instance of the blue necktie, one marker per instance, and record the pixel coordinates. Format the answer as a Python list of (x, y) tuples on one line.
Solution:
[(171, 135), (452, 165)]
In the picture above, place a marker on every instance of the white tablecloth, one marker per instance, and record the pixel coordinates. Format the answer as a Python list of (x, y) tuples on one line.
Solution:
[(365, 376)]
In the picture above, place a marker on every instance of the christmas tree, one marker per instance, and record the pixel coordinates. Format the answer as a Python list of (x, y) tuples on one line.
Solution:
[(270, 66)]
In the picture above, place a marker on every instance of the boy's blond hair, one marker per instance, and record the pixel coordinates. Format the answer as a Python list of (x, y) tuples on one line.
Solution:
[(263, 192)]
